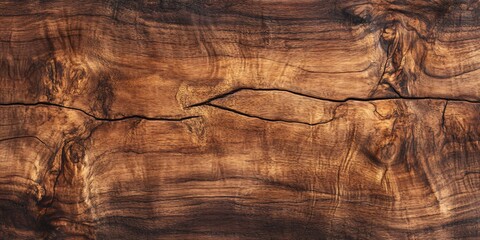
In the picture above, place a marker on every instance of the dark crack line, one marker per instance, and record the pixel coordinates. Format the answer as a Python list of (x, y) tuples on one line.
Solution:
[(54, 188), (443, 115), (28, 136), (99, 118), (395, 90), (374, 90), (400, 97), (266, 119), (390, 53), (43, 215)]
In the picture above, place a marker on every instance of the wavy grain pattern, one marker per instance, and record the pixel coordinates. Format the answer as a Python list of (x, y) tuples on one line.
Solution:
[(229, 119)]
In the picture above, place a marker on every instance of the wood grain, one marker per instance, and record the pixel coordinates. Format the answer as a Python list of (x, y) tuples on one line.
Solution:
[(216, 119)]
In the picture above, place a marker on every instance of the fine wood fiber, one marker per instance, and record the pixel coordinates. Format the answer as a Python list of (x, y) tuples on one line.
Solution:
[(229, 119)]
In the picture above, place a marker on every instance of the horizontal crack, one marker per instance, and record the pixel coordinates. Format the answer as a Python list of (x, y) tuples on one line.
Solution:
[(400, 97), (266, 119), (28, 136), (96, 117)]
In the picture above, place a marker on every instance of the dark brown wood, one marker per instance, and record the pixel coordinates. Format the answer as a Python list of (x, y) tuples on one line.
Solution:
[(216, 119)]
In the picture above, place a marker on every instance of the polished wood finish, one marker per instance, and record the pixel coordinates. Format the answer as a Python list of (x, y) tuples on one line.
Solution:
[(230, 119)]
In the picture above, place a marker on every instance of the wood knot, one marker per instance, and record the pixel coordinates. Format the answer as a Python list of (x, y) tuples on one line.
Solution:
[(38, 192), (64, 77), (75, 152), (54, 70), (389, 33), (387, 153)]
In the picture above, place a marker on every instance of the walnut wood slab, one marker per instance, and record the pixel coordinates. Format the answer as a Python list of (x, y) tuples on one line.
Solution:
[(232, 119)]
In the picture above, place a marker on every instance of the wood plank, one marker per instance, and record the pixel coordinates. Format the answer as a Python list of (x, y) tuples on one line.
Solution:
[(278, 119)]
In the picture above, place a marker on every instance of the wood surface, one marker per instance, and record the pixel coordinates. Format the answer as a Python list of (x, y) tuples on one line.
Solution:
[(233, 119)]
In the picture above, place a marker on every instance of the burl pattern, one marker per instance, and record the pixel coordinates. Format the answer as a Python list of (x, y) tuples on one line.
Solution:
[(233, 119)]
